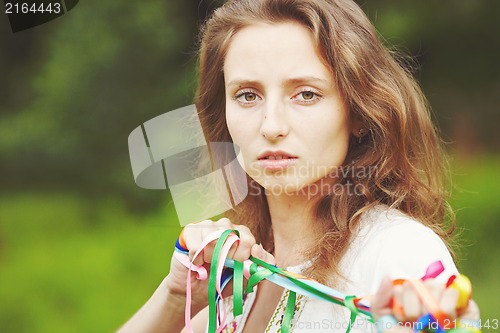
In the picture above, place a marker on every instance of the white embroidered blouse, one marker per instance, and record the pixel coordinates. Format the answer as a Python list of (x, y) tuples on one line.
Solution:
[(388, 243)]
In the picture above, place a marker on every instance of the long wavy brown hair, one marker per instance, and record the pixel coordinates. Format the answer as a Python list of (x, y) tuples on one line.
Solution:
[(401, 145)]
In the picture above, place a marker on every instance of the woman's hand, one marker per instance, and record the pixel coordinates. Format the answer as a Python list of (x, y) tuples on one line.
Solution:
[(412, 308), (194, 235), (164, 311)]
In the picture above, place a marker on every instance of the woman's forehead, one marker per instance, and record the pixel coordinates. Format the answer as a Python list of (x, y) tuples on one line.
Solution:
[(285, 50)]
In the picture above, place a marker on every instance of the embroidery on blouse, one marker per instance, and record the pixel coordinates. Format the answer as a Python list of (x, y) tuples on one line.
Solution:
[(232, 326), (275, 322)]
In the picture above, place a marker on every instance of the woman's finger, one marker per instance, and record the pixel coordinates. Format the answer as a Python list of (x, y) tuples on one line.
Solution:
[(436, 290), (194, 234), (381, 301), (208, 252), (471, 312), (247, 240), (411, 303), (448, 302), (259, 252), (192, 238), (398, 299)]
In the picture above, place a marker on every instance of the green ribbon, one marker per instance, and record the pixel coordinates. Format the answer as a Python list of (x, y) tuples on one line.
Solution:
[(238, 288), (286, 323), (311, 289), (256, 276), (349, 303), (212, 281)]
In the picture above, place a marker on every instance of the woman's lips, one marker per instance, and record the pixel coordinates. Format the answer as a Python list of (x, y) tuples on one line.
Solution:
[(276, 162)]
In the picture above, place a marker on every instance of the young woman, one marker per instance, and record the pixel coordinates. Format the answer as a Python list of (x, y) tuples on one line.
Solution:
[(344, 166)]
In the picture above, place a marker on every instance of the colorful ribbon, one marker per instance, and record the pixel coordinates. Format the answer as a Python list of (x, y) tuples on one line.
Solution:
[(256, 270)]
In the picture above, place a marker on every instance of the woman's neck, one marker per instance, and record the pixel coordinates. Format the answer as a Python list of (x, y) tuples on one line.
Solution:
[(293, 232)]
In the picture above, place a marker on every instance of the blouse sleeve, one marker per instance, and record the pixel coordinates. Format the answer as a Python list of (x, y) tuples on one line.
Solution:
[(403, 248)]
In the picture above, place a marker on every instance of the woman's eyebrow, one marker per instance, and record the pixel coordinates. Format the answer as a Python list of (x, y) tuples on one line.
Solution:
[(287, 82), (306, 79), (242, 82)]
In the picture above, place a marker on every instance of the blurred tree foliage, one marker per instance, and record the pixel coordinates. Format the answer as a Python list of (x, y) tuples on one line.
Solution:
[(456, 46), (73, 89)]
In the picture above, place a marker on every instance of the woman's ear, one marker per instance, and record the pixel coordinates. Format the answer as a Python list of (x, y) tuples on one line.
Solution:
[(357, 128)]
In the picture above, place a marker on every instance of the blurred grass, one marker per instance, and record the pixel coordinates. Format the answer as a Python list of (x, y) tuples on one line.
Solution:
[(69, 264), (475, 199)]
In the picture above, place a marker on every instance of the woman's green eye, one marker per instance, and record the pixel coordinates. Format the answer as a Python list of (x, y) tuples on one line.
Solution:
[(250, 97), (307, 95)]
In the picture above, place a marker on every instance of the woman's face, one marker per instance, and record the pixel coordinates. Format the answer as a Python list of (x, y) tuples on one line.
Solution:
[(282, 108)]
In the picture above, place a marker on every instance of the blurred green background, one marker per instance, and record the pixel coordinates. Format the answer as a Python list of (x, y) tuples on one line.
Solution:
[(82, 248)]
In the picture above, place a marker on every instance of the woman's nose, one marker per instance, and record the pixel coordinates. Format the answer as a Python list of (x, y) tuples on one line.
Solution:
[(274, 123)]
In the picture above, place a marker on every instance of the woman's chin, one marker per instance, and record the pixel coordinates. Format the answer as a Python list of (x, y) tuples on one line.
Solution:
[(284, 188)]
